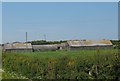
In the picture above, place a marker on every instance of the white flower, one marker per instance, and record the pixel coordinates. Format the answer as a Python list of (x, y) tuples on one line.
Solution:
[(90, 73)]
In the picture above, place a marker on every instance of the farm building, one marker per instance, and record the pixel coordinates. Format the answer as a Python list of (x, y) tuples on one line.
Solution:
[(44, 47), (18, 47), (51, 47), (89, 44), (69, 45)]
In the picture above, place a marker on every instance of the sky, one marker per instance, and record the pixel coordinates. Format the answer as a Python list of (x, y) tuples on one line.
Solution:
[(59, 21), (0, 22), (59, 0)]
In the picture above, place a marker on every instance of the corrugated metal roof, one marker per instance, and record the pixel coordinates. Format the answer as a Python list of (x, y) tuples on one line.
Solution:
[(77, 43), (44, 47), (18, 46)]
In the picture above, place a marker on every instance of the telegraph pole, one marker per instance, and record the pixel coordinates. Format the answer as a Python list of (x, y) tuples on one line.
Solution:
[(26, 39), (45, 37)]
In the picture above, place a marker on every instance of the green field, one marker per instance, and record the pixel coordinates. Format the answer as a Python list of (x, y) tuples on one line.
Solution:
[(85, 64), (70, 54), (0, 64)]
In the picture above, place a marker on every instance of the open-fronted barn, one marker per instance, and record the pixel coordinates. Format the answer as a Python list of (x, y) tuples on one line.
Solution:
[(89, 44), (44, 47), (51, 47), (18, 47)]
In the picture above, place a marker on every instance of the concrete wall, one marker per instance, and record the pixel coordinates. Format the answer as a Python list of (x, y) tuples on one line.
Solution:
[(90, 47), (18, 50)]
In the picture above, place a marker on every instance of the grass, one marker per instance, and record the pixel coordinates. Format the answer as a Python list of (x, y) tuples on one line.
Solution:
[(90, 55), (0, 64), (11, 75), (81, 62), (0, 73), (73, 54), (83, 54)]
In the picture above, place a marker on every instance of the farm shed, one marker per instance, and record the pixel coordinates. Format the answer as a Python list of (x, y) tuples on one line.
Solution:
[(89, 44), (62, 46), (51, 47), (18, 47)]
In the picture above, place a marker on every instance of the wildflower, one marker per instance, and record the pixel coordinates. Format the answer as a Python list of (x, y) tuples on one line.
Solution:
[(71, 62), (90, 73)]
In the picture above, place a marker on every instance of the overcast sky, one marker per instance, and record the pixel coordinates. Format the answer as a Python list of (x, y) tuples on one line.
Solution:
[(59, 21)]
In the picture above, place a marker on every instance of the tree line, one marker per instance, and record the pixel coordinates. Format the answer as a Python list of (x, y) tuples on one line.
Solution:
[(43, 42), (116, 43)]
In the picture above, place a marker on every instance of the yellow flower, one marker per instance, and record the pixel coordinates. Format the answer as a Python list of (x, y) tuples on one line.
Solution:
[(71, 62)]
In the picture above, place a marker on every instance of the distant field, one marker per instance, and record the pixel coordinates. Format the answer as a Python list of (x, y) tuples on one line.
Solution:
[(91, 55), (71, 54), (85, 64)]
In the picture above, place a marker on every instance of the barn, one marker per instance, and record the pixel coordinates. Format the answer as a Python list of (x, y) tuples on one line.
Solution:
[(18, 47), (49, 47), (89, 44), (69, 45), (44, 48)]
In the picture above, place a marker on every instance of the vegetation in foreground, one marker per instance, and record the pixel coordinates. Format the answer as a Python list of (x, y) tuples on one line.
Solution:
[(88, 64)]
